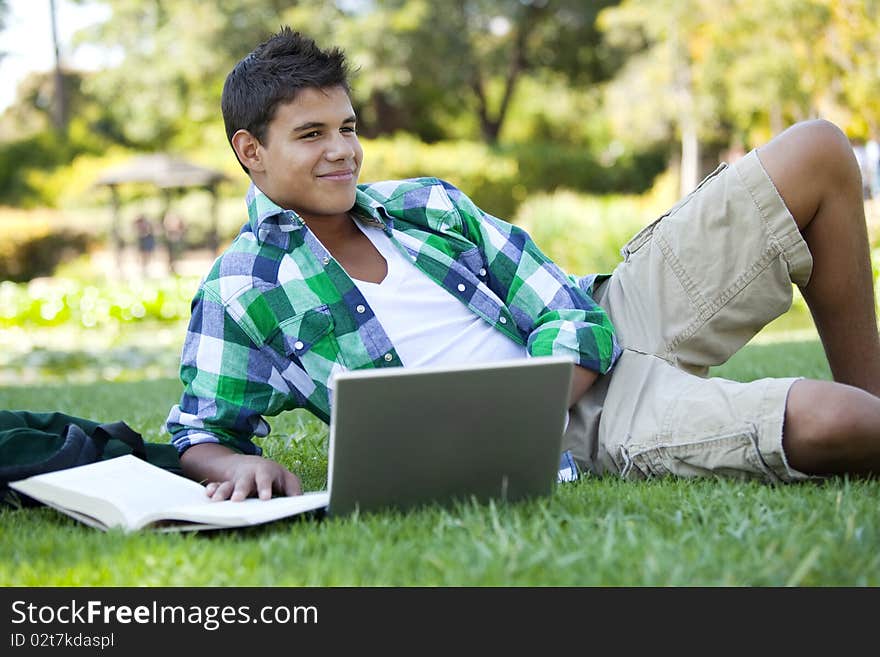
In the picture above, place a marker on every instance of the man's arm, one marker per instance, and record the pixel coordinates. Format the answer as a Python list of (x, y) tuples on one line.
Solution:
[(552, 312), (230, 475), (226, 393), (581, 381)]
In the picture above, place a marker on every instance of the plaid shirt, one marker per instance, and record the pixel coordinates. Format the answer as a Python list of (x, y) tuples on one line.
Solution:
[(277, 317)]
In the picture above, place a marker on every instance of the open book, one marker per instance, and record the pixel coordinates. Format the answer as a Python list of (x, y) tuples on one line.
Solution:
[(130, 493)]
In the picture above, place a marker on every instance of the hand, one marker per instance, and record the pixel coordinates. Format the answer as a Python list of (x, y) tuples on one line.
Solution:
[(233, 476), (252, 474)]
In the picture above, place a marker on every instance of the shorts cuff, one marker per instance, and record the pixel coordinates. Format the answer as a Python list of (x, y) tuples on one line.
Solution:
[(770, 433)]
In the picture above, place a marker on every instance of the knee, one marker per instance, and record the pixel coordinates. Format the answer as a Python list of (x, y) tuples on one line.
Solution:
[(827, 149), (824, 133), (822, 420)]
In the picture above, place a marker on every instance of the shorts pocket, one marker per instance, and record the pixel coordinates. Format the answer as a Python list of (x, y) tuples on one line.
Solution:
[(734, 455), (644, 235), (641, 238)]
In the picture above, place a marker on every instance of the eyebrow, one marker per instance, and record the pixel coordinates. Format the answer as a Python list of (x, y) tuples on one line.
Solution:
[(311, 125)]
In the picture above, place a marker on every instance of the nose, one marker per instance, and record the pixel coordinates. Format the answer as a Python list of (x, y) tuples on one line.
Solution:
[(340, 147)]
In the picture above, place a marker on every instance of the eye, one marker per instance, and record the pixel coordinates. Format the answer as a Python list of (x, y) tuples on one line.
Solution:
[(351, 129), (310, 135)]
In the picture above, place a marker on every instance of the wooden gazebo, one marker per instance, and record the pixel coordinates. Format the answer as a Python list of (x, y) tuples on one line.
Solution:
[(168, 174)]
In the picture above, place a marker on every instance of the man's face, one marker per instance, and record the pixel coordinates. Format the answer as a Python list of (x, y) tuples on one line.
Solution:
[(311, 155)]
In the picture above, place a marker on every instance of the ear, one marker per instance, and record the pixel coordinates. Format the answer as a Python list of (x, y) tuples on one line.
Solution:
[(247, 148)]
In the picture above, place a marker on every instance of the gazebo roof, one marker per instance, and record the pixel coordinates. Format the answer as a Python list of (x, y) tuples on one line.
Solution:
[(162, 170)]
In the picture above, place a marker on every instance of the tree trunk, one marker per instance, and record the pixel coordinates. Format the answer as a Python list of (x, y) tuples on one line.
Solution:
[(690, 156), (687, 120), (490, 127), (59, 114)]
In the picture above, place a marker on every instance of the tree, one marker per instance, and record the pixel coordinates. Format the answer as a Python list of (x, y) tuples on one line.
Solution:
[(176, 55), (436, 69), (468, 56), (739, 72), (442, 69), (660, 93)]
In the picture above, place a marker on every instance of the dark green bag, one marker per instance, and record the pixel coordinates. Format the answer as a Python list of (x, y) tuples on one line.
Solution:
[(34, 443)]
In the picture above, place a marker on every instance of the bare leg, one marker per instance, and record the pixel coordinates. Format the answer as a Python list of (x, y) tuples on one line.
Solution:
[(815, 171), (832, 428)]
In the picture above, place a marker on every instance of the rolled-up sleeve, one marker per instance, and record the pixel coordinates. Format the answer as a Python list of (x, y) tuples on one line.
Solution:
[(555, 316), (230, 381)]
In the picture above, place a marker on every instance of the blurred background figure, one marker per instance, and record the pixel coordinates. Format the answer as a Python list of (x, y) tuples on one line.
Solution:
[(146, 241), (872, 155), (174, 229)]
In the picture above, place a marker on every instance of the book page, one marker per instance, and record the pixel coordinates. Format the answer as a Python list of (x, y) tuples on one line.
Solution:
[(251, 511), (130, 493), (132, 486)]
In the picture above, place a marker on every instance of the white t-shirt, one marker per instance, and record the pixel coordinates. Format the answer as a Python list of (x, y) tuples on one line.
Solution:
[(426, 324)]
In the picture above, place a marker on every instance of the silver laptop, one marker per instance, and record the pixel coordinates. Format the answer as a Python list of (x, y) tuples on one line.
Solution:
[(402, 438)]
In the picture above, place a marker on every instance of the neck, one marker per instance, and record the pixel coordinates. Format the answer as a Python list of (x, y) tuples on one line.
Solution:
[(332, 230)]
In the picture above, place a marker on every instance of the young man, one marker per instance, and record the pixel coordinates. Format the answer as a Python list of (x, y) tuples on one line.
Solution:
[(328, 275)]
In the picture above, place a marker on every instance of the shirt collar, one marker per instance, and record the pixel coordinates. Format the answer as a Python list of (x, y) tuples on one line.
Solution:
[(264, 215)]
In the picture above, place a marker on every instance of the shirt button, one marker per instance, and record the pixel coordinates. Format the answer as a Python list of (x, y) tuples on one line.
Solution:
[(298, 345), (503, 320), (482, 272), (388, 357), (360, 308), (461, 287), (326, 260)]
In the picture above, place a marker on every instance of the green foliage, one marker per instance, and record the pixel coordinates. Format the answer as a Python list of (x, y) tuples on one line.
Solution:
[(17, 161), (448, 70), (550, 166), (52, 302), (32, 249), (743, 70), (27, 165), (584, 233), (70, 353), (488, 177), (169, 80), (500, 178), (72, 184)]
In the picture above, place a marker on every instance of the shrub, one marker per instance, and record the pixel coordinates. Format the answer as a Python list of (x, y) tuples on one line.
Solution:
[(57, 301), (499, 179), (584, 233), (29, 249)]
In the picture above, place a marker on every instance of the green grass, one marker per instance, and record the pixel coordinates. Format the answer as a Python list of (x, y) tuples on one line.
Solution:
[(593, 532)]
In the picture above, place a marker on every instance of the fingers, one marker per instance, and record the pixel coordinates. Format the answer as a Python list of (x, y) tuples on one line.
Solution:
[(290, 484), (264, 484), (243, 488), (219, 490), (283, 482), (262, 480)]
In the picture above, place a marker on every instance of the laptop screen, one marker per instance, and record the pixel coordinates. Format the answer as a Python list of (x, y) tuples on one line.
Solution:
[(402, 438)]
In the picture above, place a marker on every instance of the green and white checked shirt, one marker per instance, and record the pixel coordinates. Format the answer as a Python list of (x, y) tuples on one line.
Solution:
[(277, 317)]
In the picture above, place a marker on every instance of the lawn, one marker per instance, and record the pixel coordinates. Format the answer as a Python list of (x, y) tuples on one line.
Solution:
[(592, 532)]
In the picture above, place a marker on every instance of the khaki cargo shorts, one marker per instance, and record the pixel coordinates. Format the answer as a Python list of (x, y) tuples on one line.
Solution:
[(694, 286)]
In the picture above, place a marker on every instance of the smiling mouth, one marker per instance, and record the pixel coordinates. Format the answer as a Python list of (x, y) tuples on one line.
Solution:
[(347, 174)]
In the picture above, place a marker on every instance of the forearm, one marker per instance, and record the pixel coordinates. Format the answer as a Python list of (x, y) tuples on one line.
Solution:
[(207, 462), (581, 381)]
